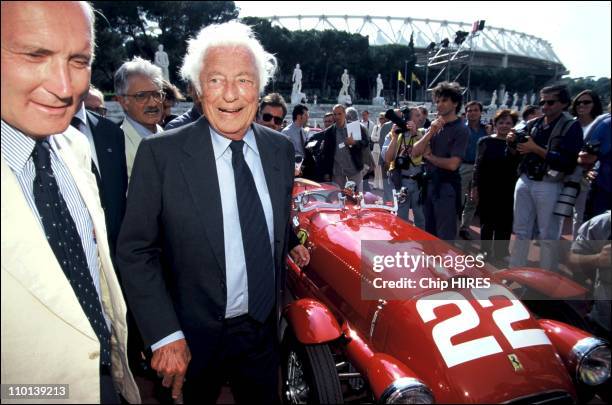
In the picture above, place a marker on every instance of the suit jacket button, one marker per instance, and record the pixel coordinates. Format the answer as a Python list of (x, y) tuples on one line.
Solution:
[(220, 318), (94, 355)]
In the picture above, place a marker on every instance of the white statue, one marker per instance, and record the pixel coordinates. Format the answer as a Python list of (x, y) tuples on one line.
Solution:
[(524, 100), (297, 79), (314, 101), (345, 84), (378, 100), (494, 98), (533, 96), (379, 86), (296, 93), (161, 60), (514, 101), (503, 100)]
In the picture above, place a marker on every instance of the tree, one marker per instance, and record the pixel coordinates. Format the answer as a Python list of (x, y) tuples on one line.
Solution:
[(127, 29)]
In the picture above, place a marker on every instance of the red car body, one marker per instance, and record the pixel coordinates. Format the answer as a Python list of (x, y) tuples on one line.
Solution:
[(464, 347)]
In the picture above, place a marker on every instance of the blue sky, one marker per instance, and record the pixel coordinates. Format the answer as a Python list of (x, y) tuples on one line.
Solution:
[(578, 31)]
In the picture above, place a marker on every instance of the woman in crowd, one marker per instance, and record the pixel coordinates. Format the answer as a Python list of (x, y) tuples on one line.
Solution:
[(586, 106), (494, 181)]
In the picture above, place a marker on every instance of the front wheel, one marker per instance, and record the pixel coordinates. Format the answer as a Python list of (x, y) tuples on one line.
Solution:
[(309, 374)]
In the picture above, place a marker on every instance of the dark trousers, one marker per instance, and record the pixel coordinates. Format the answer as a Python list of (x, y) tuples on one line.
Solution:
[(247, 358), (108, 394), (496, 213), (441, 211)]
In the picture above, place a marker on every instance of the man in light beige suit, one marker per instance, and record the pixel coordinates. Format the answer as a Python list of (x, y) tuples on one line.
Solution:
[(48, 336), (138, 85)]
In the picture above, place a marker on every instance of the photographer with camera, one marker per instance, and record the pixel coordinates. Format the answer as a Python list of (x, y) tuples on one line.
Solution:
[(404, 171), (548, 149), (600, 196), (443, 148)]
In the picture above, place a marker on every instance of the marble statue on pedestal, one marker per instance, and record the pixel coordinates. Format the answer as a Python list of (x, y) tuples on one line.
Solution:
[(378, 100), (492, 106), (296, 93), (161, 60), (504, 99), (343, 96), (514, 101)]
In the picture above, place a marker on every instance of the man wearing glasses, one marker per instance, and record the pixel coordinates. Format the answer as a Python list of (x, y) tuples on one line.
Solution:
[(548, 151), (138, 85)]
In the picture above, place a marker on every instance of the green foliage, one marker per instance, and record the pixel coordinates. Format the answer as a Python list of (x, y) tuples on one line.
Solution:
[(122, 31), (600, 86)]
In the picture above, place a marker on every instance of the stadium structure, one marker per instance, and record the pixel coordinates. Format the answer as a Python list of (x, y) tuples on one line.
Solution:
[(465, 44)]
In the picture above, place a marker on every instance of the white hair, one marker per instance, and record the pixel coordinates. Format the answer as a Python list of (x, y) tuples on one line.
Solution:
[(136, 66), (231, 33), (352, 114)]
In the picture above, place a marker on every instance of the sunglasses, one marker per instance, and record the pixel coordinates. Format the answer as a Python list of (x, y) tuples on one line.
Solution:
[(584, 102), (547, 102), (267, 117)]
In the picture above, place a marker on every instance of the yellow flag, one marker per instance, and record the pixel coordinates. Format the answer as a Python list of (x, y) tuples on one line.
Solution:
[(400, 78), (415, 79)]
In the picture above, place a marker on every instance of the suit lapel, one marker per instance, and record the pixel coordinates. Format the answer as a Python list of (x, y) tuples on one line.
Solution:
[(200, 172), (79, 165), (28, 257)]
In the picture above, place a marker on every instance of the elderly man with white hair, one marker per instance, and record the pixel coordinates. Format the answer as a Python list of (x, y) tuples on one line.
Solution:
[(202, 246), (138, 85)]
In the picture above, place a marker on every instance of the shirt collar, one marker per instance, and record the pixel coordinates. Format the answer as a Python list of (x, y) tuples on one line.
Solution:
[(141, 129), (17, 147), (221, 143), (81, 115)]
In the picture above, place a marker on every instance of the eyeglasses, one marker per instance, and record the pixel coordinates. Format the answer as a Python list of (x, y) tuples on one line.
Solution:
[(584, 102), (144, 96), (98, 110), (267, 117), (547, 102)]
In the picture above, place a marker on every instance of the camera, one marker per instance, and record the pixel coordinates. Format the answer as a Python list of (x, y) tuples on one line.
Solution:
[(521, 133), (401, 122), (592, 147), (571, 187), (402, 162), (567, 199)]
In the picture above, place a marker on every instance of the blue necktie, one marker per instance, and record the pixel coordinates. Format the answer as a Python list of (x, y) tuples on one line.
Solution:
[(66, 244), (255, 239)]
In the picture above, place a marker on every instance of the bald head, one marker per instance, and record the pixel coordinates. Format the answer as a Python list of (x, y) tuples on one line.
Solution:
[(47, 51)]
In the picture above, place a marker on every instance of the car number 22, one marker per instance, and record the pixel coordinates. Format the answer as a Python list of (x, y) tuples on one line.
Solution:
[(467, 319)]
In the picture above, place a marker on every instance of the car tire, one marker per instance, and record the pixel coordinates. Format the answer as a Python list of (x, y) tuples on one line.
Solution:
[(309, 374)]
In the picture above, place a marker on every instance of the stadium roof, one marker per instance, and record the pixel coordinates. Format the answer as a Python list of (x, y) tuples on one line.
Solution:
[(397, 30)]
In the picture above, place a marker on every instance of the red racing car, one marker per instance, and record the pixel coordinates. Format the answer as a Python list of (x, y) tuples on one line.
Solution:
[(457, 342)]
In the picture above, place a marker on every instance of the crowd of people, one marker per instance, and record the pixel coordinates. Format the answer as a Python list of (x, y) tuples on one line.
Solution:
[(187, 218)]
